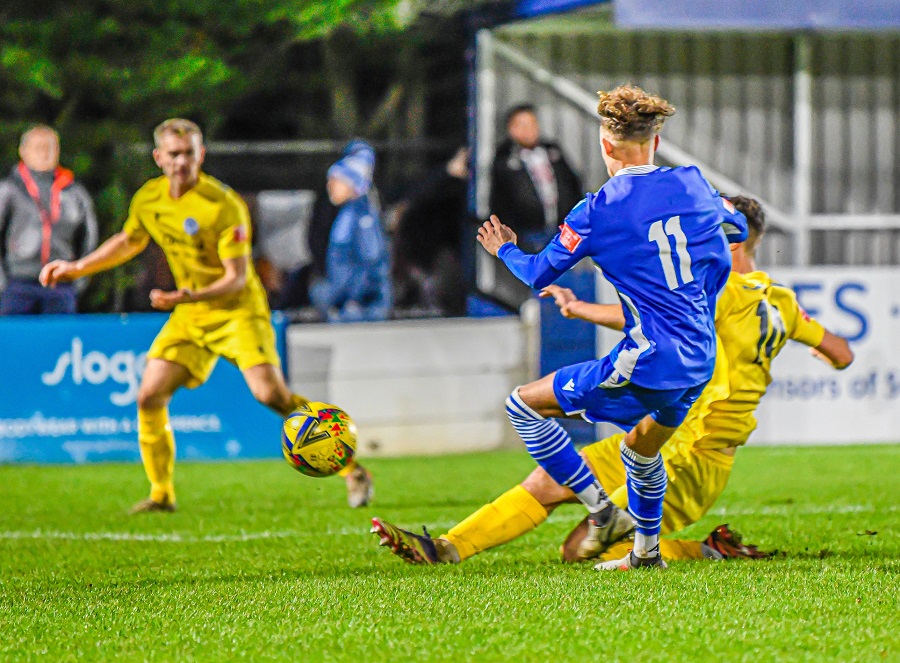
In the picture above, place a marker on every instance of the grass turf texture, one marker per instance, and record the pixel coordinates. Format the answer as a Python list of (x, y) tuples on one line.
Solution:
[(81, 580)]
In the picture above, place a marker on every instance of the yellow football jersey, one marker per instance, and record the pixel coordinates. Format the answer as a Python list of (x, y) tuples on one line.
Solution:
[(208, 224), (754, 319)]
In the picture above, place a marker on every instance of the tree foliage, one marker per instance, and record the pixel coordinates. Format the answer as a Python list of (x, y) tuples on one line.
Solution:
[(105, 72)]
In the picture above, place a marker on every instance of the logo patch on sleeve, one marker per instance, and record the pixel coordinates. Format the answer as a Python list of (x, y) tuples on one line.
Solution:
[(728, 205), (240, 234), (569, 238)]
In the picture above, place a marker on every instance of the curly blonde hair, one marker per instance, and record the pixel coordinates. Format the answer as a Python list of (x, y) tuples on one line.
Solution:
[(631, 114)]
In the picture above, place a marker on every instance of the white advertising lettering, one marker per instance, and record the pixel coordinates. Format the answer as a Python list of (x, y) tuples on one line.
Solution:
[(809, 402), (94, 367)]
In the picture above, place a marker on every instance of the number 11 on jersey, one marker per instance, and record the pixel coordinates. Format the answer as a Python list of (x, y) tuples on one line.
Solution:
[(661, 237)]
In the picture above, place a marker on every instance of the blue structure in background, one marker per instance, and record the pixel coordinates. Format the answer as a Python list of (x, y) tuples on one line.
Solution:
[(565, 342), (70, 385), (758, 15), (733, 14), (525, 8)]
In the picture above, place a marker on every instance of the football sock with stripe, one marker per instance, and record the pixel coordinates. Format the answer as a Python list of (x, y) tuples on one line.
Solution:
[(508, 517), (646, 480), (157, 452), (550, 445)]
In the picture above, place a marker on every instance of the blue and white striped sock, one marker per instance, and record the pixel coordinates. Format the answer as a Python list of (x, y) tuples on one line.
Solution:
[(550, 445), (646, 480)]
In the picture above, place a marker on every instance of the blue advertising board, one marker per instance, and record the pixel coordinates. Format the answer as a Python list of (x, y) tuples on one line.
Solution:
[(760, 15), (70, 385), (526, 8)]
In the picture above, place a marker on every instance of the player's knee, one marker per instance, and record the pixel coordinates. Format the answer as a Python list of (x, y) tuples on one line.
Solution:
[(517, 408), (151, 399)]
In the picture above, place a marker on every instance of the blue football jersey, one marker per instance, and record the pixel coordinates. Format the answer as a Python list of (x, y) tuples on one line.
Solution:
[(661, 237)]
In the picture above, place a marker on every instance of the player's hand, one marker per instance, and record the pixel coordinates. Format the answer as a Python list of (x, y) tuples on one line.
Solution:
[(57, 271), (822, 357), (166, 301), (492, 235), (562, 297)]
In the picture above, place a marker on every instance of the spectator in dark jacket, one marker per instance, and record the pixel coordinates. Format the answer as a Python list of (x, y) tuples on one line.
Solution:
[(533, 188), (428, 242), (357, 283), (44, 215)]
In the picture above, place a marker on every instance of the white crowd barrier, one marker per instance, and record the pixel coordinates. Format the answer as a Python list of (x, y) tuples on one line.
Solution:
[(416, 387)]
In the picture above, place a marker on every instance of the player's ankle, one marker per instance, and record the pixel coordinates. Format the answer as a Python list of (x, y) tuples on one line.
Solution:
[(646, 545), (602, 516), (446, 552)]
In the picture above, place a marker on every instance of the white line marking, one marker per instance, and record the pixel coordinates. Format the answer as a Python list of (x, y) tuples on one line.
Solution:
[(132, 536), (780, 510)]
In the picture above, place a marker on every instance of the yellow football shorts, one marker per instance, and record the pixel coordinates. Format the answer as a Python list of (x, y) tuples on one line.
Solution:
[(245, 341), (696, 479)]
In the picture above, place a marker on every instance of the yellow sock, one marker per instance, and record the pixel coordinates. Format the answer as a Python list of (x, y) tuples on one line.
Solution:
[(678, 550), (619, 497), (158, 452), (617, 551), (672, 550), (508, 517), (298, 400), (348, 468)]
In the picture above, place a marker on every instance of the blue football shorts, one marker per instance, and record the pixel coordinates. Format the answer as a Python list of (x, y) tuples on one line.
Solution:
[(578, 391)]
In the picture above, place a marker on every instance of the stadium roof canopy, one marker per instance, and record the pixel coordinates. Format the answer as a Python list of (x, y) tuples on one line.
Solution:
[(733, 14)]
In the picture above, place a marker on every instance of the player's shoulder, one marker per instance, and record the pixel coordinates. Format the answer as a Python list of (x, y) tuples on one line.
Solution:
[(764, 285), (579, 218), (218, 192), (743, 290), (780, 293), (213, 189), (150, 191)]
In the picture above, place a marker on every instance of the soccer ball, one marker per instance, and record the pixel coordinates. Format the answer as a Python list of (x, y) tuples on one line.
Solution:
[(318, 439)]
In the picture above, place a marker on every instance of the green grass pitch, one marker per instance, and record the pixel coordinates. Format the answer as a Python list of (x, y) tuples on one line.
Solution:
[(261, 563)]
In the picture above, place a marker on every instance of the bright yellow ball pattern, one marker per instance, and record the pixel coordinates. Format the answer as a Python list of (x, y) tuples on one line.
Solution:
[(318, 439)]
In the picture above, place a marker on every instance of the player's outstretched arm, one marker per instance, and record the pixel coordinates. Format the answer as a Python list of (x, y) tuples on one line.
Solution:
[(232, 281), (535, 271), (833, 350), (118, 249), (605, 315)]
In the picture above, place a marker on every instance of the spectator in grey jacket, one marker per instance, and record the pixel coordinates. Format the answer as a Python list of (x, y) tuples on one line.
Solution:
[(44, 215)]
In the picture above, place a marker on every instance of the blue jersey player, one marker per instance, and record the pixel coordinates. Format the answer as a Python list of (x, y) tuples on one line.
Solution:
[(659, 235)]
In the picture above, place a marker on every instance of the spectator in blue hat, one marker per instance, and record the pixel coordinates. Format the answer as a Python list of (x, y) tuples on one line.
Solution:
[(357, 283)]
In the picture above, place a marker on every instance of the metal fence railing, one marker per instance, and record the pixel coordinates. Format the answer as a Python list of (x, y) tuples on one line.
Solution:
[(808, 124)]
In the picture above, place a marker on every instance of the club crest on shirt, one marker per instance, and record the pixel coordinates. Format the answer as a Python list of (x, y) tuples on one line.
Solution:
[(240, 234), (191, 227), (569, 238)]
